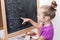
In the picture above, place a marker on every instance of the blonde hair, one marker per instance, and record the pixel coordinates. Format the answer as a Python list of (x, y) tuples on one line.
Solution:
[(50, 10)]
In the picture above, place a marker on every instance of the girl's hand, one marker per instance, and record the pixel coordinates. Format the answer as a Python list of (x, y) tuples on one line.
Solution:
[(25, 20)]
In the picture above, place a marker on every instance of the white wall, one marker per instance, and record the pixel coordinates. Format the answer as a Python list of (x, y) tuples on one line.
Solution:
[(2, 34), (56, 19), (56, 22)]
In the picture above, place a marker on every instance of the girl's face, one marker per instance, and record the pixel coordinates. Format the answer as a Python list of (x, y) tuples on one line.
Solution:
[(41, 16)]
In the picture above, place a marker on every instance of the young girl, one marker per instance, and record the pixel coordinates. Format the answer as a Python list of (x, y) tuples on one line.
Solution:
[(47, 13)]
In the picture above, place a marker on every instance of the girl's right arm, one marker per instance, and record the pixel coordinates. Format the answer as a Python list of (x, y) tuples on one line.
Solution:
[(31, 21), (35, 24)]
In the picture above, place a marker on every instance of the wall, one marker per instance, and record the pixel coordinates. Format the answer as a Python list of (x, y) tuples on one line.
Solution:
[(56, 22)]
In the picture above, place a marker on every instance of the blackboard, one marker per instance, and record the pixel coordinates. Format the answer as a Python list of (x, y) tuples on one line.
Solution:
[(19, 8)]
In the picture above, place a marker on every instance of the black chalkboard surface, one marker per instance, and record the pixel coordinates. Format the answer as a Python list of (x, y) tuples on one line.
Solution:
[(19, 8)]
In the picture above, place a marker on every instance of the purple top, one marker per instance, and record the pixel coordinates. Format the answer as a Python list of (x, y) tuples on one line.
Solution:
[(47, 32)]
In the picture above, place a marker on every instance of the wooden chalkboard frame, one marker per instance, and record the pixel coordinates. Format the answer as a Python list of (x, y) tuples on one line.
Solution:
[(5, 23)]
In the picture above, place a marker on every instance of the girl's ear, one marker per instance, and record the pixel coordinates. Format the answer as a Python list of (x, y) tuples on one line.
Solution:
[(47, 18)]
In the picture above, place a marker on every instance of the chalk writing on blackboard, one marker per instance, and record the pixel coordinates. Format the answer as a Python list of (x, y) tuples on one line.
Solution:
[(19, 8)]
